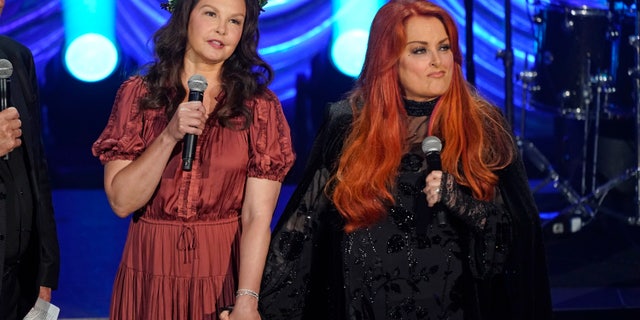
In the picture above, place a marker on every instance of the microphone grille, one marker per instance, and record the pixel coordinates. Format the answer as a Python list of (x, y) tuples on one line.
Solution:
[(197, 83), (431, 144), (6, 69)]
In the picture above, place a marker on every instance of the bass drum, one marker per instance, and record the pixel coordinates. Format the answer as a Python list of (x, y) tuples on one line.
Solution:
[(572, 47)]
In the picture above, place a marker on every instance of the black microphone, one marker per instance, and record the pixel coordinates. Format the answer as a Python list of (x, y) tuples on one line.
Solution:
[(197, 84), (431, 146), (6, 70)]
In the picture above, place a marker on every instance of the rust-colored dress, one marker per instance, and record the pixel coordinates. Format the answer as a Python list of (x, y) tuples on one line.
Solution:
[(181, 256)]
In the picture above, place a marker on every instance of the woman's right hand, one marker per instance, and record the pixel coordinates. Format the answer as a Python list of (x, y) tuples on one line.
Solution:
[(190, 117), (433, 187)]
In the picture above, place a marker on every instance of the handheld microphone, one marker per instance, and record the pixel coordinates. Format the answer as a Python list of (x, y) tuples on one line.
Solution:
[(6, 70), (197, 84), (431, 146)]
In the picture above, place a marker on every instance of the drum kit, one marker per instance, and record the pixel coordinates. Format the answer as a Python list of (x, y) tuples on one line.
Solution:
[(586, 73)]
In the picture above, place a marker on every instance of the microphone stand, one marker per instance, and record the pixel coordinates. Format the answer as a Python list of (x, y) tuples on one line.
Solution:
[(471, 69), (507, 57)]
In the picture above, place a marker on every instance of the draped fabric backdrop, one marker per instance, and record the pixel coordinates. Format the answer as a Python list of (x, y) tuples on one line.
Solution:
[(295, 37), (292, 32)]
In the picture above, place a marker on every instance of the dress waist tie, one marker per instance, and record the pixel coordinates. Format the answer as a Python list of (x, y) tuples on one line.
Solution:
[(188, 243)]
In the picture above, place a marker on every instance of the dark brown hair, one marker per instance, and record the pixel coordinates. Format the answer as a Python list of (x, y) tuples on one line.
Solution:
[(244, 74)]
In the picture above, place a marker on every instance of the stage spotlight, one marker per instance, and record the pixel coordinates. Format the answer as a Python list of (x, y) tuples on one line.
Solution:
[(351, 32), (348, 51), (90, 52), (91, 57)]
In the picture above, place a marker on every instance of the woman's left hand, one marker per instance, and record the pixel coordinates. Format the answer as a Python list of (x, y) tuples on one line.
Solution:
[(432, 187), (237, 314), (224, 315), (246, 308)]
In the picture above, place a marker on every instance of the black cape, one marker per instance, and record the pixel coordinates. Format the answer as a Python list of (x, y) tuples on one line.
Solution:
[(303, 273)]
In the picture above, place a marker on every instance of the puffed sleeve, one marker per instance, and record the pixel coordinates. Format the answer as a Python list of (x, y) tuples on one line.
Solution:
[(121, 139), (271, 154)]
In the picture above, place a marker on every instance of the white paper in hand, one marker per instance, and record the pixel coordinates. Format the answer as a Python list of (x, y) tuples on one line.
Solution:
[(43, 310)]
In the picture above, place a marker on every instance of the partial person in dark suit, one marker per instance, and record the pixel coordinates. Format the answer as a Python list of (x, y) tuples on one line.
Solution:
[(28, 239)]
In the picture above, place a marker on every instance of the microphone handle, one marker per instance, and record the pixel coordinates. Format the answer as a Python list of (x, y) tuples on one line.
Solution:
[(433, 163), (189, 150), (5, 93), (5, 99), (190, 140)]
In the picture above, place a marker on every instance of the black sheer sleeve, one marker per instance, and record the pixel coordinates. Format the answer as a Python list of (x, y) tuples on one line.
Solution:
[(511, 278), (490, 224)]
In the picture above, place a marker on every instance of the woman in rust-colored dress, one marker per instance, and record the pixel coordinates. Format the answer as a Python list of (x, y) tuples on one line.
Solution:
[(198, 238)]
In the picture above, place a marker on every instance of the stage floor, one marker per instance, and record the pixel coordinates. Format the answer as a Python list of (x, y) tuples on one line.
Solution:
[(593, 272)]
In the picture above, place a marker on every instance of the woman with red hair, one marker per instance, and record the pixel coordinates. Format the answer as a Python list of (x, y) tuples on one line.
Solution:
[(378, 228)]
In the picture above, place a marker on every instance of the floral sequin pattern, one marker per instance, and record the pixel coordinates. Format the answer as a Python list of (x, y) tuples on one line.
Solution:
[(392, 269)]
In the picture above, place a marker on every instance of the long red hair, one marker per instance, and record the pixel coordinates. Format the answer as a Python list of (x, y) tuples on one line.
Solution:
[(477, 140)]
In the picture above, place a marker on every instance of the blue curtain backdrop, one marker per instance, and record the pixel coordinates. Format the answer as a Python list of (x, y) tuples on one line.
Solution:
[(293, 31), (295, 38)]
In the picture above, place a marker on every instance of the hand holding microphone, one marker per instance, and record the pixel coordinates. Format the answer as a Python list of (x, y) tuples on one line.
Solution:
[(197, 85), (431, 146), (10, 125)]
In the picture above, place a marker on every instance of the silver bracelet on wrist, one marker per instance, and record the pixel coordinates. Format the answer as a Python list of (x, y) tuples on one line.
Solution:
[(247, 292)]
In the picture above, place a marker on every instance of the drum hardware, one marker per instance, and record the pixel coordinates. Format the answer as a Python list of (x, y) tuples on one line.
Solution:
[(579, 212), (564, 75), (533, 154), (603, 85), (613, 34), (584, 92), (528, 79), (634, 41), (527, 148), (602, 88), (537, 18)]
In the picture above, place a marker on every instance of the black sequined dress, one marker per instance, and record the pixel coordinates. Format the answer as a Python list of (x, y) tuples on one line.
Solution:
[(407, 266)]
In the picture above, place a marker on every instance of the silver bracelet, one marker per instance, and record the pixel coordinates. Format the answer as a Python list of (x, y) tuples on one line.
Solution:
[(247, 292)]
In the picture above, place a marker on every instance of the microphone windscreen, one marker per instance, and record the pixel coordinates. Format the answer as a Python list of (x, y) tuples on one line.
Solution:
[(431, 144), (197, 83), (6, 69)]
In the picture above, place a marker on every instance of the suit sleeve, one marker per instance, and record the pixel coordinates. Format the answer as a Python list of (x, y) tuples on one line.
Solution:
[(49, 262)]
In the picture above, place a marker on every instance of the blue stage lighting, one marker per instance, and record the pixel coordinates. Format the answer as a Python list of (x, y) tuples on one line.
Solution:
[(348, 51), (351, 32), (91, 57), (90, 52)]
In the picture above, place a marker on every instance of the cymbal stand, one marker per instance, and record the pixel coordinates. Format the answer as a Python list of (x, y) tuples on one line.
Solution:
[(602, 83), (595, 198), (586, 98)]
